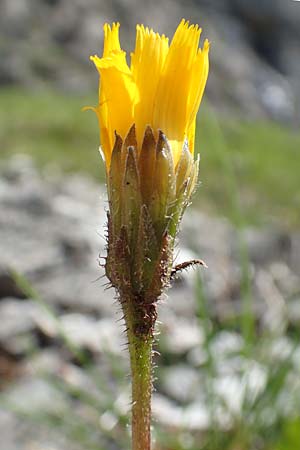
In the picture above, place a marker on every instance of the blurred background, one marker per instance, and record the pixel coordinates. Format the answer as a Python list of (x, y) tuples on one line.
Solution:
[(228, 356)]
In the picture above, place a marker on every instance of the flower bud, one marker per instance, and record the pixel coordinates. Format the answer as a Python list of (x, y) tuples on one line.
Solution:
[(145, 209), (147, 116)]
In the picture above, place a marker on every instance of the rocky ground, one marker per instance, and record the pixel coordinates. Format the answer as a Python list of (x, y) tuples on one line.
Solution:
[(255, 50), (51, 232)]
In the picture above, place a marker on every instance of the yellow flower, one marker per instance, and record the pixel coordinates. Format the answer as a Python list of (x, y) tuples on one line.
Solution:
[(162, 87)]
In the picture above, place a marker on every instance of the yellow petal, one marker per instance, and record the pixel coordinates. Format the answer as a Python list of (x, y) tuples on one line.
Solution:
[(174, 105), (147, 63), (111, 39), (198, 82), (117, 94)]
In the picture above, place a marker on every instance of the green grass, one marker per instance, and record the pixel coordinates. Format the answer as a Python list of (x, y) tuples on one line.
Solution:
[(52, 128), (264, 158)]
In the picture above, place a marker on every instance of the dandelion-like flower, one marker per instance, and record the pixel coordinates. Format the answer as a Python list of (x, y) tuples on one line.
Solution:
[(147, 116), (162, 88)]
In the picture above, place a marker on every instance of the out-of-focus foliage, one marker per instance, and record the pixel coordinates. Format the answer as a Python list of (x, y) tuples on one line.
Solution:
[(264, 156), (290, 437), (262, 423)]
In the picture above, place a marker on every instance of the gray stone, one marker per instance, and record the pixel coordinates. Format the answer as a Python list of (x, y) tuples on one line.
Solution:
[(20, 434), (194, 417), (37, 393), (267, 245), (181, 383), (293, 312), (103, 335), (8, 286), (17, 317), (179, 334)]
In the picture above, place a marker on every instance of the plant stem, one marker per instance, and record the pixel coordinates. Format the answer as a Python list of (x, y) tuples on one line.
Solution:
[(140, 350)]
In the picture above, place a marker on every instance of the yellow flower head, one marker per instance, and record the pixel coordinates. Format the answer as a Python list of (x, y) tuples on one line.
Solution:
[(162, 87)]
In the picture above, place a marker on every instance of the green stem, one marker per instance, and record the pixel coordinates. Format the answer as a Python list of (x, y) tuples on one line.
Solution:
[(140, 350)]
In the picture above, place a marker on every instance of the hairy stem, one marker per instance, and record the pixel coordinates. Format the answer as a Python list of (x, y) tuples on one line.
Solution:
[(141, 393), (140, 350)]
